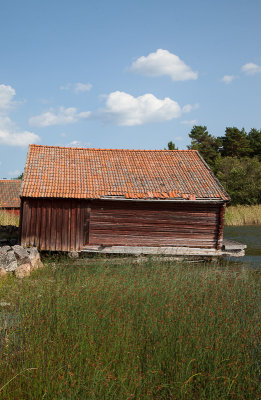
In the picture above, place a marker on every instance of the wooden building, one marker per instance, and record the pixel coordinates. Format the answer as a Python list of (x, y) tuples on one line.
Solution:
[(80, 199), (10, 195)]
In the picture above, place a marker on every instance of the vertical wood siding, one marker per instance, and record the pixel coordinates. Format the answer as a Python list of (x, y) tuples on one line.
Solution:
[(53, 224), (69, 224)]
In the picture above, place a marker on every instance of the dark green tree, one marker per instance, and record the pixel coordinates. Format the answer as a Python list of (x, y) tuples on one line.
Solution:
[(207, 145), (235, 143), (241, 178), (254, 137), (21, 176), (171, 146)]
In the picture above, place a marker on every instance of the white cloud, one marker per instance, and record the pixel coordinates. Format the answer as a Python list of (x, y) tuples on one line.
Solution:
[(189, 122), (77, 87), (189, 107), (228, 78), (9, 133), (251, 69), (63, 117), (19, 138), (78, 143), (6, 96), (125, 110), (82, 87), (162, 62)]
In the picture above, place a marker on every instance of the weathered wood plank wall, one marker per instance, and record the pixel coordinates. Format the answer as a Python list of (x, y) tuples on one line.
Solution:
[(154, 224), (53, 224), (68, 224)]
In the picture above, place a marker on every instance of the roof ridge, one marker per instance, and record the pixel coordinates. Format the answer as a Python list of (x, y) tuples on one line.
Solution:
[(106, 149)]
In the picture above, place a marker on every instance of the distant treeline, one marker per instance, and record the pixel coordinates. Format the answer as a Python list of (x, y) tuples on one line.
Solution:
[(235, 158)]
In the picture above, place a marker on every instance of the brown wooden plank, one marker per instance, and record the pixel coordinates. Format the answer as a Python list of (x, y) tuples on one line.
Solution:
[(81, 224), (38, 218), (65, 225), (221, 226), (73, 225), (87, 214), (59, 225), (26, 221), (32, 222), (77, 225), (53, 225), (147, 224), (43, 225), (48, 225)]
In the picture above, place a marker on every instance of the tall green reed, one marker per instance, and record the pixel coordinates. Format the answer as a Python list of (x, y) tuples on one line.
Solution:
[(108, 329)]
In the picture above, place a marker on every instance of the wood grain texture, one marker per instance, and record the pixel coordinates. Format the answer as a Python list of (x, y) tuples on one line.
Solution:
[(153, 224), (70, 224)]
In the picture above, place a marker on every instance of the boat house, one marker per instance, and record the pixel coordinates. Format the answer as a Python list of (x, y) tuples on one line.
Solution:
[(133, 201), (10, 195)]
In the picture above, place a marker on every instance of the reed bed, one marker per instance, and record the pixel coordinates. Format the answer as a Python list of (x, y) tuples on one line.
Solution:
[(108, 329), (7, 218), (243, 215)]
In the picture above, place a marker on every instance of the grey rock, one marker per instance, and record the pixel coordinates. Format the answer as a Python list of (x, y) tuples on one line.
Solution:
[(4, 249), (23, 270), (8, 261), (21, 255), (34, 257), (73, 254)]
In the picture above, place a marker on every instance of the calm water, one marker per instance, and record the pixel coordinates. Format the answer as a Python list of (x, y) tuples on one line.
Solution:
[(249, 235)]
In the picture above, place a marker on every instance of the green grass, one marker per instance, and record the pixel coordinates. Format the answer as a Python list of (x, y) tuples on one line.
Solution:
[(118, 329), (243, 215), (7, 218)]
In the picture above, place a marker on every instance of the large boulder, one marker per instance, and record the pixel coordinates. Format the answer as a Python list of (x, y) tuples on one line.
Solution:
[(21, 254), (23, 270), (3, 272), (19, 260), (34, 258), (8, 260)]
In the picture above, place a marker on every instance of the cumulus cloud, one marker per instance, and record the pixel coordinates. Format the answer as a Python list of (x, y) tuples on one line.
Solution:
[(77, 87), (64, 116), (251, 69), (126, 110), (19, 138), (10, 134), (162, 62), (7, 94), (190, 107), (228, 78)]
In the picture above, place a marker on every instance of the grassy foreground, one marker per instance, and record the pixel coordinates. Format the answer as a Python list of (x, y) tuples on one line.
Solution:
[(108, 329), (243, 215)]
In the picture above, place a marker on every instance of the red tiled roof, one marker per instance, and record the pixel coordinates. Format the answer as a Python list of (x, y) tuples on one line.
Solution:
[(66, 172), (10, 193)]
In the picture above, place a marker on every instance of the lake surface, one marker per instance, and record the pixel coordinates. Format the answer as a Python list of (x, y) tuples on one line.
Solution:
[(249, 235)]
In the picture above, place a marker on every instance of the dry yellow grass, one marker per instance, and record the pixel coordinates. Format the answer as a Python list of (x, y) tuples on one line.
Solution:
[(243, 215), (8, 219)]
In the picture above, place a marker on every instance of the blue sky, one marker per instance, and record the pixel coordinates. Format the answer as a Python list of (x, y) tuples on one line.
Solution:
[(125, 74)]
